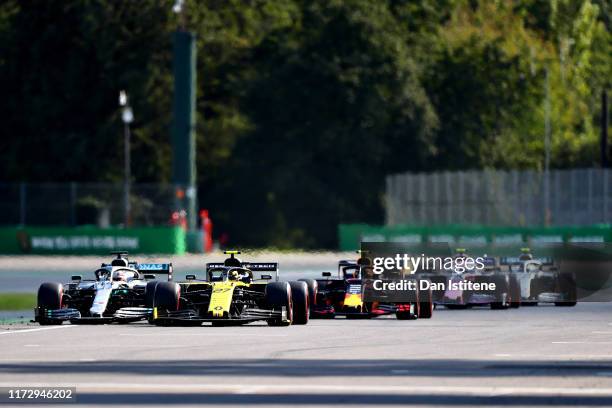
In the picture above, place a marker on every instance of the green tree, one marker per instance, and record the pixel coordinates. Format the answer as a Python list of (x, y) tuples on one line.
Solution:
[(67, 62), (489, 83), (337, 105), (303, 106)]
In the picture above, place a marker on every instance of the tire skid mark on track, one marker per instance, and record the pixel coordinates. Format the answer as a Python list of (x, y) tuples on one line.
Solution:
[(281, 353)]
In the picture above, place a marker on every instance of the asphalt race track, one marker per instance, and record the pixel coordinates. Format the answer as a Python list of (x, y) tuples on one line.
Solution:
[(532, 356)]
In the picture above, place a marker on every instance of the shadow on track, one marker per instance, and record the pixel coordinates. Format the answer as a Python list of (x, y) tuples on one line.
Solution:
[(329, 399), (315, 367)]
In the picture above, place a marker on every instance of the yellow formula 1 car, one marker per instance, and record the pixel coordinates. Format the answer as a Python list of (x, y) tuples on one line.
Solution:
[(233, 293)]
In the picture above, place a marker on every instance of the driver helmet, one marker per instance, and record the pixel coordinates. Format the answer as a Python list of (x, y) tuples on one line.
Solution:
[(525, 255), (119, 276), (233, 275)]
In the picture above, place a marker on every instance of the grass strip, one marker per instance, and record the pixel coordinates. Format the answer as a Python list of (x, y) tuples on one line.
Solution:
[(17, 301)]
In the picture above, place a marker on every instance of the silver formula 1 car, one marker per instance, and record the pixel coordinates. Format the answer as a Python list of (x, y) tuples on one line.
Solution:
[(541, 280), (121, 291)]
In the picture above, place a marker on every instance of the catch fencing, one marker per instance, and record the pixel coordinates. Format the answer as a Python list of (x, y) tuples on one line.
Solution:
[(99, 204), (501, 198)]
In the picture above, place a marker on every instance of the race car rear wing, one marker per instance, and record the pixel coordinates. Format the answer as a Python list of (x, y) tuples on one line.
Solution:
[(509, 260), (156, 268), (261, 270), (488, 261)]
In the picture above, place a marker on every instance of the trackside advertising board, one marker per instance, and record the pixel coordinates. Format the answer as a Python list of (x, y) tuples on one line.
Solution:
[(91, 240), (492, 239)]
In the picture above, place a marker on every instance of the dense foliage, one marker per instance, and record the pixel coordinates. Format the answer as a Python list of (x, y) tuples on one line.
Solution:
[(303, 105)]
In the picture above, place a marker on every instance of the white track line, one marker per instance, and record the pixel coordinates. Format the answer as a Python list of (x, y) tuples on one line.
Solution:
[(547, 357), (324, 388), (36, 330)]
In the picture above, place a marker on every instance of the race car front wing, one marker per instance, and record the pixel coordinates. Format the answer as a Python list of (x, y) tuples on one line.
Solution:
[(126, 314), (191, 315), (57, 314)]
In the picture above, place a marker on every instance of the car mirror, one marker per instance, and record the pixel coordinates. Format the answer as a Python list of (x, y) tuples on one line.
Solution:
[(76, 277), (266, 277), (190, 277), (149, 276), (326, 274)]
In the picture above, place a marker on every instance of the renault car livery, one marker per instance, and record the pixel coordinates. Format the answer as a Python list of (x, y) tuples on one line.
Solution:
[(233, 293)]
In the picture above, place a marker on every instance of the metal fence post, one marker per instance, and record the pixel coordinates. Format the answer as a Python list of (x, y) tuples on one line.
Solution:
[(574, 196), (73, 195), (474, 197), (515, 196), (22, 204), (436, 198), (461, 194), (409, 192), (449, 197), (606, 183), (423, 198), (388, 201), (590, 193), (546, 197), (557, 199)]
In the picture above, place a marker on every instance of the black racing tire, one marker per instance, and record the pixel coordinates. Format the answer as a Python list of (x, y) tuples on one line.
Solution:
[(425, 309), (278, 295), (301, 302), (565, 304), (167, 296), (515, 292), (150, 293), (535, 288), (313, 290), (567, 285), (50, 297)]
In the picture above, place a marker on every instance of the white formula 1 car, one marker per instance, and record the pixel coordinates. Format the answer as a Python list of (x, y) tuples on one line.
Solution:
[(121, 291), (541, 280)]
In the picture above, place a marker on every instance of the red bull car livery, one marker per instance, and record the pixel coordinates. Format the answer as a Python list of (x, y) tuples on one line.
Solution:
[(343, 295)]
